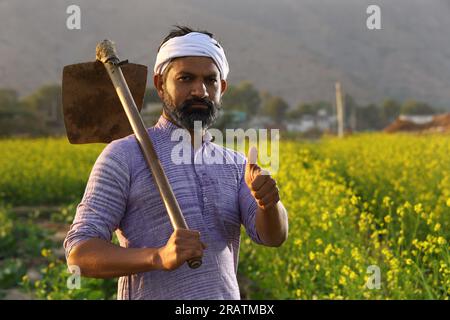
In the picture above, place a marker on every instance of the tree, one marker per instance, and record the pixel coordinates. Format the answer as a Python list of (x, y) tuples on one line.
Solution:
[(390, 110), (310, 109), (350, 107), (301, 110), (251, 97), (368, 118), (413, 107), (15, 119), (47, 103), (275, 107), (8, 100), (243, 97), (151, 96)]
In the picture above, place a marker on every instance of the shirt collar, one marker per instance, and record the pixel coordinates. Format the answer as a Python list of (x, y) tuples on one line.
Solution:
[(168, 126)]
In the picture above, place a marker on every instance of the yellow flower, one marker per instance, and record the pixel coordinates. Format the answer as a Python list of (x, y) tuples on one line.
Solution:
[(441, 241), (324, 226), (437, 227), (342, 280), (448, 202), (355, 254), (312, 256), (294, 274), (46, 252), (390, 275), (345, 270), (386, 201), (388, 219), (328, 249), (340, 211), (418, 208)]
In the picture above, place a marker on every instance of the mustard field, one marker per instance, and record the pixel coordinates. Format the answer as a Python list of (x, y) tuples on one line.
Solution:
[(369, 218)]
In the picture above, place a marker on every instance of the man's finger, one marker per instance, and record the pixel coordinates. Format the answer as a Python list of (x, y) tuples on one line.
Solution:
[(252, 155), (259, 181), (252, 168), (187, 233), (267, 187), (269, 200)]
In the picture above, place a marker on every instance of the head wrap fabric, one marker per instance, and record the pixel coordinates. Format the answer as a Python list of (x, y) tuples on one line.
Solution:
[(192, 44)]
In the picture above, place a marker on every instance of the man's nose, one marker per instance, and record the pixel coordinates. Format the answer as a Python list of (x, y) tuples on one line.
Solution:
[(199, 90)]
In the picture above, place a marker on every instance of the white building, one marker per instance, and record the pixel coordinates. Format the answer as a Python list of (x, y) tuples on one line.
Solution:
[(321, 121), (417, 119)]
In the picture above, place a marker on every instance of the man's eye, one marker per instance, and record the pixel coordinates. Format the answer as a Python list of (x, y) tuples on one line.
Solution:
[(184, 78), (212, 80)]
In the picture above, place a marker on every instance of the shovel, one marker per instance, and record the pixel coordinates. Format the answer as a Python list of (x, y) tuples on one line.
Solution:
[(100, 102)]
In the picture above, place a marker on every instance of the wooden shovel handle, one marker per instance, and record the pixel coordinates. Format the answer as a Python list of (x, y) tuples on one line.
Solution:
[(106, 54)]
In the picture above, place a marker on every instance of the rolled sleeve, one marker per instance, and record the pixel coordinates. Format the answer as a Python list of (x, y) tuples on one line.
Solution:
[(104, 201)]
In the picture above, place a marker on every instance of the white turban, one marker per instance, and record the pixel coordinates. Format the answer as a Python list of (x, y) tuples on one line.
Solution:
[(192, 44)]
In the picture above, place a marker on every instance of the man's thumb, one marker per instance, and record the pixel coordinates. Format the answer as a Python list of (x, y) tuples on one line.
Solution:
[(252, 155), (252, 168)]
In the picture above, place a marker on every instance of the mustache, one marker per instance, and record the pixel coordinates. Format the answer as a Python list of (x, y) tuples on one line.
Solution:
[(190, 102)]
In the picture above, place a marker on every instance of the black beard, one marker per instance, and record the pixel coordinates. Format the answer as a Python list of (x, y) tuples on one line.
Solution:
[(185, 115)]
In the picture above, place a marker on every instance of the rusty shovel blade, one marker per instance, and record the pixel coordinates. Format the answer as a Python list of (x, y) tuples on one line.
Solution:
[(92, 110)]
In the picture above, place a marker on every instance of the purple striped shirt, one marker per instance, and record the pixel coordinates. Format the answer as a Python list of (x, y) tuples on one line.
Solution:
[(121, 197)]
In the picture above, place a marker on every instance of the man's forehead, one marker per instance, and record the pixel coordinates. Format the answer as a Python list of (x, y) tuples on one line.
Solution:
[(194, 65)]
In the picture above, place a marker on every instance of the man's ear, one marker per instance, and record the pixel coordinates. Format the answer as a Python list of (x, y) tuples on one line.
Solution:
[(158, 83), (223, 86)]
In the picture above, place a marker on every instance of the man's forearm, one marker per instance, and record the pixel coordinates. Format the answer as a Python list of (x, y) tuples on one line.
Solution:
[(272, 225), (98, 258)]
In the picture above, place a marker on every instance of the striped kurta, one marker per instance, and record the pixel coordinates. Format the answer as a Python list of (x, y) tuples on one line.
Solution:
[(121, 197)]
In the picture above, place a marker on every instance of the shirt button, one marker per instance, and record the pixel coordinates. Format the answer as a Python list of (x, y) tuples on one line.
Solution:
[(205, 199)]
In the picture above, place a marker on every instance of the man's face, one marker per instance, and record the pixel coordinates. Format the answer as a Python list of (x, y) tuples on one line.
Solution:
[(191, 91)]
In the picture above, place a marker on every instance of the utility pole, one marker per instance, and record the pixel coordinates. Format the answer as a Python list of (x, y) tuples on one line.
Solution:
[(339, 110)]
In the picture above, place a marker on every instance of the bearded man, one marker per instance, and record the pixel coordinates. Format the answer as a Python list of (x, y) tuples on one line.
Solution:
[(216, 199)]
